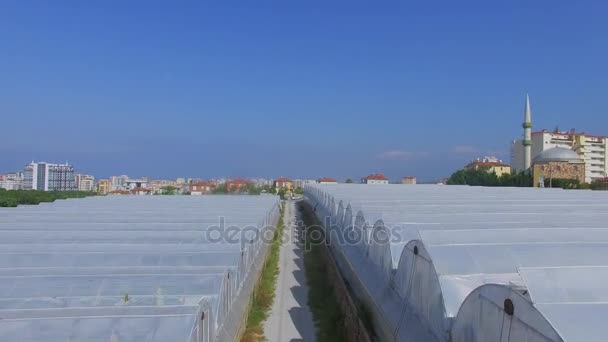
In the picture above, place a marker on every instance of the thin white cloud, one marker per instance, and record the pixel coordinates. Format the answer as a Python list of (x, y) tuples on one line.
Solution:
[(397, 155), (464, 149)]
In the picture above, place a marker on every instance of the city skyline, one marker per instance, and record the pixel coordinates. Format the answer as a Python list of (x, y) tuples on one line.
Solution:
[(276, 89)]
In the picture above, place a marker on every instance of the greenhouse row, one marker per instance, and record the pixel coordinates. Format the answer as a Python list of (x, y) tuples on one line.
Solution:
[(471, 264), (131, 268)]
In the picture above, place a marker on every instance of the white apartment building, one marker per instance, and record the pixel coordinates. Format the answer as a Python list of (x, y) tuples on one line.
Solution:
[(592, 149), (85, 182), (49, 177), (137, 183), (12, 181), (119, 183)]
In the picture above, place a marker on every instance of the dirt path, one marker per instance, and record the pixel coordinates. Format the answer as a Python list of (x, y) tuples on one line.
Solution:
[(291, 319)]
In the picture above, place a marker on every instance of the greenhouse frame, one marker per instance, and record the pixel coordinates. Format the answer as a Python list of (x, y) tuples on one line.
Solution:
[(132, 268), (474, 264)]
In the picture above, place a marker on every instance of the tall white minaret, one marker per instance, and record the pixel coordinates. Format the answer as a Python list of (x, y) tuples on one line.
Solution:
[(527, 125)]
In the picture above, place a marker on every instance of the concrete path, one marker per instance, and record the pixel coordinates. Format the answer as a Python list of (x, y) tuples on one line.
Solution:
[(290, 319)]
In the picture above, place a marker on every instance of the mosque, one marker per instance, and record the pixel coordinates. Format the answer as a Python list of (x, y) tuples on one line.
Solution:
[(549, 163)]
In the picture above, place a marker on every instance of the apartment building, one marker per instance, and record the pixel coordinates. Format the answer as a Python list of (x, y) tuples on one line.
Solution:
[(490, 164), (49, 177), (12, 181), (85, 182)]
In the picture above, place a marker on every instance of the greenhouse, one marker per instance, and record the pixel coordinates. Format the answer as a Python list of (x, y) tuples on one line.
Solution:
[(131, 268), (460, 263)]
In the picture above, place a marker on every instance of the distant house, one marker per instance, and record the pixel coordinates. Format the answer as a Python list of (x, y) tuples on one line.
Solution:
[(141, 191), (375, 178), (327, 180), (237, 185), (201, 188), (408, 180), (490, 164), (283, 183)]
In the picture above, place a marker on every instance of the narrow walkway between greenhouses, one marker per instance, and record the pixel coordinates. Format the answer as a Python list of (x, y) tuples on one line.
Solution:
[(291, 318)]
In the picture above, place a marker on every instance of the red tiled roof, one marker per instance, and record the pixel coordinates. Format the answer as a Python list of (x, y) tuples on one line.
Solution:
[(327, 179), (376, 176), (409, 177), (283, 180)]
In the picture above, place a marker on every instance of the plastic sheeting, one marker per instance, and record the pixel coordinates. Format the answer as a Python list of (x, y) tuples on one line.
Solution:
[(130, 268), (444, 252)]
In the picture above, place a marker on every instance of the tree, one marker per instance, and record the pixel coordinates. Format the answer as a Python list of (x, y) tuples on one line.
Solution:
[(252, 189), (12, 198), (482, 177), (599, 184), (563, 183), (282, 192), (221, 189), (168, 190), (349, 181)]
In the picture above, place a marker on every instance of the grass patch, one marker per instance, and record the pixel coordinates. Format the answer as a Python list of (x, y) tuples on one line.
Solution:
[(263, 293), (321, 297)]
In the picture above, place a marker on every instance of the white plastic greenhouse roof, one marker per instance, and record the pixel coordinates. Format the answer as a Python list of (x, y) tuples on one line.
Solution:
[(437, 247), (127, 268)]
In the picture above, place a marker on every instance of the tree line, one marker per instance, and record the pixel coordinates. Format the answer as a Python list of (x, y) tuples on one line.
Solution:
[(13, 198), (482, 177)]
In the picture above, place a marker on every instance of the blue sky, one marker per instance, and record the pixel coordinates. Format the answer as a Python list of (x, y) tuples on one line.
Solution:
[(294, 88)]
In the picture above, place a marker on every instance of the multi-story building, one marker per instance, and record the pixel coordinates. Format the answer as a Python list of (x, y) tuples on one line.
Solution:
[(490, 164), (300, 183), (137, 183), (408, 180), (283, 183), (201, 188), (162, 185), (375, 178), (12, 181), (104, 186), (592, 149), (85, 182), (49, 177), (119, 182)]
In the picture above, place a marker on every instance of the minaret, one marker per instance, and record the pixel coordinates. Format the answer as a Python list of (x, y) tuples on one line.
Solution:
[(527, 125)]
